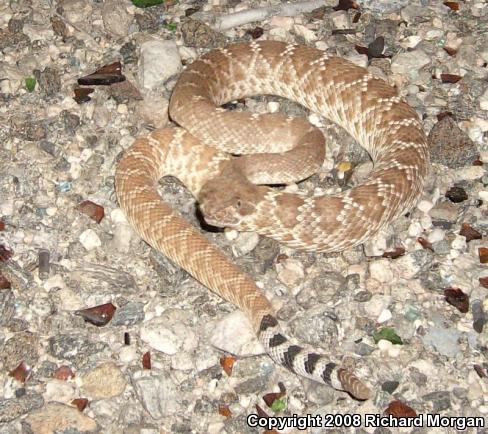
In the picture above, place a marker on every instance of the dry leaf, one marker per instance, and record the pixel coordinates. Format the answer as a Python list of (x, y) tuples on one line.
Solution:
[(399, 409), (345, 5), (80, 403), (450, 78), (484, 281), (443, 115), (470, 233), (452, 5), (82, 94), (4, 283), (92, 210), (227, 362), (63, 373), (393, 254), (21, 373), (146, 360), (450, 51), (108, 74), (271, 397), (457, 298), (483, 254), (98, 315), (224, 410), (256, 32), (5, 254), (480, 371), (427, 245)]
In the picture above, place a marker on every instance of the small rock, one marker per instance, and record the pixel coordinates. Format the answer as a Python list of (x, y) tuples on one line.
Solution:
[(456, 194), (410, 62), (59, 391), (411, 264), (440, 400), (376, 305), (389, 386), (381, 270), (388, 348), (105, 381), (233, 334), (115, 18), (445, 341), (156, 392), (129, 314), (290, 272), (320, 289), (89, 239), (168, 336), (444, 215), (384, 316), (55, 417), (245, 243), (158, 62), (12, 408), (450, 145), (73, 347), (20, 347)]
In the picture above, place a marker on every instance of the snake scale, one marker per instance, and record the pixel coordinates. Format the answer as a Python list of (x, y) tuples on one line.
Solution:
[(209, 156)]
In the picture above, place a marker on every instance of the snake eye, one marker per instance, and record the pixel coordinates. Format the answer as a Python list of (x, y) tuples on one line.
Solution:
[(239, 203)]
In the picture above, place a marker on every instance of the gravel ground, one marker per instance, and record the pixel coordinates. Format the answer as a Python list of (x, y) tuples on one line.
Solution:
[(160, 353)]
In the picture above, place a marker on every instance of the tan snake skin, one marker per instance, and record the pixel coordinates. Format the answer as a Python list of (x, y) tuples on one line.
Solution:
[(366, 107)]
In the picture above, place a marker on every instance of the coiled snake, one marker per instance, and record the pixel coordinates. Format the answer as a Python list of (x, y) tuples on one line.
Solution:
[(209, 155)]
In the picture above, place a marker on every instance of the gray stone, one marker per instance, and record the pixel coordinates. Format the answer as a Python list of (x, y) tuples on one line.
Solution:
[(7, 307), (440, 400), (156, 392), (389, 386), (320, 289), (445, 341), (74, 347), (15, 407), (129, 314), (444, 214), (20, 347), (450, 145)]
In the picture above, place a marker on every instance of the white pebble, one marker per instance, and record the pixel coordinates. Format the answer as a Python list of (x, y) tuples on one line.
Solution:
[(231, 234), (483, 194), (386, 347), (273, 106), (127, 354), (118, 216), (290, 272), (459, 242), (425, 206), (376, 305), (415, 229), (234, 334), (426, 221), (89, 239), (381, 270), (436, 235), (246, 242), (384, 316)]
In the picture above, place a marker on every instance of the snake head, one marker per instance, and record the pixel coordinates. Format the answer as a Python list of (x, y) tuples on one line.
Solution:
[(228, 202)]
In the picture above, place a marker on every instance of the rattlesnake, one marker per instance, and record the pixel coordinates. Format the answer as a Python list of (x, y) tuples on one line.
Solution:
[(365, 106)]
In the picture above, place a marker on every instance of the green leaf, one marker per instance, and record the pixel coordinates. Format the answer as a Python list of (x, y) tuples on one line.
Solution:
[(278, 404), (146, 3), (170, 26), (387, 333), (30, 84)]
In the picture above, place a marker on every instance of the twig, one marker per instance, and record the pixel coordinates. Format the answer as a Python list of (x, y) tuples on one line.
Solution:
[(229, 21)]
